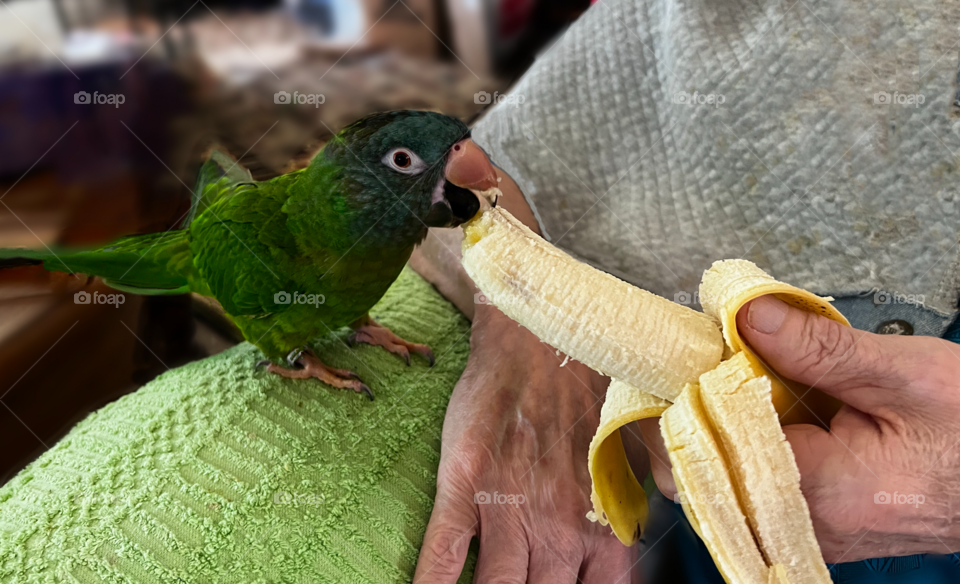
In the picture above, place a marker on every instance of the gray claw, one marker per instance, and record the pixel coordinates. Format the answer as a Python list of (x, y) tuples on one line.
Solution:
[(366, 390), (262, 363)]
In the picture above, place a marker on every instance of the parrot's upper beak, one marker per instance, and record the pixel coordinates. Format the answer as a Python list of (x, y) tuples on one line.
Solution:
[(468, 177), (469, 167)]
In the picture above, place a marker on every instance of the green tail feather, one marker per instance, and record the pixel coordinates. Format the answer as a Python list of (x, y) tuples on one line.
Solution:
[(153, 264)]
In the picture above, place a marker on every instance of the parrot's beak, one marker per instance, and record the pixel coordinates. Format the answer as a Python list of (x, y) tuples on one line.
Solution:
[(468, 177), (469, 167)]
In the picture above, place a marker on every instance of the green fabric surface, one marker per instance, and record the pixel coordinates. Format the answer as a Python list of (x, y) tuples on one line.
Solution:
[(216, 473)]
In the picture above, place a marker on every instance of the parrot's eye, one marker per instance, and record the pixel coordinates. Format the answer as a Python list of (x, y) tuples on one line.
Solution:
[(405, 161)]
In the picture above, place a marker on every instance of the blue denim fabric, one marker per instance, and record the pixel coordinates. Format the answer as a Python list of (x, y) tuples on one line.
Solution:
[(673, 553)]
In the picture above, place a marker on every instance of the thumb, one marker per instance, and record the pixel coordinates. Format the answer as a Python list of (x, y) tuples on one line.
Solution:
[(855, 366)]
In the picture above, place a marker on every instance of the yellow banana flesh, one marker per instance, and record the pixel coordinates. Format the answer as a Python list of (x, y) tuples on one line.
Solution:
[(742, 417), (706, 490), (595, 318), (654, 349)]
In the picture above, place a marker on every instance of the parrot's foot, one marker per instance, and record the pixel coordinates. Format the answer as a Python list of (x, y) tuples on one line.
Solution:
[(311, 366), (367, 330)]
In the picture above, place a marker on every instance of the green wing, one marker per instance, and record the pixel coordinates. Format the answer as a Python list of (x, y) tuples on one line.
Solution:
[(216, 179), (242, 250)]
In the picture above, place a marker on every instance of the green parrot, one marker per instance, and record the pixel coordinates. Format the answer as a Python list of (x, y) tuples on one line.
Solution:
[(298, 256)]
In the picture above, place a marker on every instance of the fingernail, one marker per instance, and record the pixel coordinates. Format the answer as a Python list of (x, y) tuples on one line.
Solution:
[(766, 314)]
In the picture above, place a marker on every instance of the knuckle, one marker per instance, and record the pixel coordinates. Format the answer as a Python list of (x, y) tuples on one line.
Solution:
[(824, 345), (440, 552), (667, 488), (941, 367), (566, 542), (465, 465), (501, 575)]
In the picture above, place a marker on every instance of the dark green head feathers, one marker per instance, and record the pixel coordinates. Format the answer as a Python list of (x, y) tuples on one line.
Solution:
[(430, 135), (386, 177)]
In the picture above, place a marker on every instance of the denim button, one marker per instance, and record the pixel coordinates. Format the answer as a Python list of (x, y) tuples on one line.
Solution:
[(895, 327)]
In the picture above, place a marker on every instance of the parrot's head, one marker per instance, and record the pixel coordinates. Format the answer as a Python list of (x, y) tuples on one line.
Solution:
[(421, 160)]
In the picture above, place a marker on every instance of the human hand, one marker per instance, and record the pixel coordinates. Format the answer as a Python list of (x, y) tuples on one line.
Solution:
[(882, 482), (896, 433), (519, 425)]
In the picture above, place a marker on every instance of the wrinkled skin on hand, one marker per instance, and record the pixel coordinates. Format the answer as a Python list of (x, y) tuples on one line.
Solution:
[(520, 425), (884, 480)]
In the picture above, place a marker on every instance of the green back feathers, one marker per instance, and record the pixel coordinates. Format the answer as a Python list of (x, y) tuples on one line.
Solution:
[(215, 179)]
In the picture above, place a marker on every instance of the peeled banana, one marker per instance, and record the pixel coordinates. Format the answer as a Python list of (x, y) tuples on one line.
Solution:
[(606, 323), (721, 407)]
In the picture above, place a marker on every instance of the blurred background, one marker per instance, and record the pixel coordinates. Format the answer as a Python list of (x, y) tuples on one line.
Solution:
[(108, 108)]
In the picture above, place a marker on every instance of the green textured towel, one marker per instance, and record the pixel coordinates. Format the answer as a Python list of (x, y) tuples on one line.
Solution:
[(216, 473)]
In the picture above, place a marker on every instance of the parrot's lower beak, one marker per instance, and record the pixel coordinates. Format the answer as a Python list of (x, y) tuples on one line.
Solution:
[(451, 205), (468, 177)]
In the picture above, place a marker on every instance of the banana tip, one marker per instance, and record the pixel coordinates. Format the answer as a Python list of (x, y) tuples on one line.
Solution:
[(490, 196)]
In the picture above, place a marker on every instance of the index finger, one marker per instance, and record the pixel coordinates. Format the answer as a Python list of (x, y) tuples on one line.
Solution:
[(453, 523)]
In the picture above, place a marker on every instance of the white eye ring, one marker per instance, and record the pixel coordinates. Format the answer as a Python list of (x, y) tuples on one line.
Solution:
[(395, 159)]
